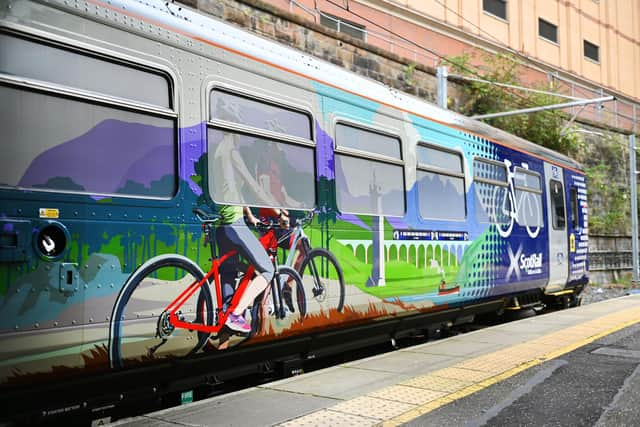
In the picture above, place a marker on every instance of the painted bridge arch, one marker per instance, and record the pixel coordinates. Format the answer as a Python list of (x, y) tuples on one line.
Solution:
[(421, 250)]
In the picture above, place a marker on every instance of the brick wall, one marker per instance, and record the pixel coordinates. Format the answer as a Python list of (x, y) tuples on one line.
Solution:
[(265, 20)]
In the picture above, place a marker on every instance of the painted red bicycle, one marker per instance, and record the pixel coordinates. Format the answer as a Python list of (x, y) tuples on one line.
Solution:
[(143, 326)]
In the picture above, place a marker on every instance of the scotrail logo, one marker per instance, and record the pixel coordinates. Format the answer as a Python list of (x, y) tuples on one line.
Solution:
[(519, 263)]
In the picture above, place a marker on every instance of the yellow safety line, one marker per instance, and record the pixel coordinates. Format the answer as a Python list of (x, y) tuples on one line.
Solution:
[(434, 404), (560, 293), (483, 368)]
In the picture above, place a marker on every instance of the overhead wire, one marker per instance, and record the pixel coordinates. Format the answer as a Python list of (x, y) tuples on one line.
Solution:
[(431, 51)]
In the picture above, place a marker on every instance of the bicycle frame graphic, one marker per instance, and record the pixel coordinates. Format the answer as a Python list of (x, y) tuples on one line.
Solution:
[(317, 263), (209, 318), (514, 207), (320, 267)]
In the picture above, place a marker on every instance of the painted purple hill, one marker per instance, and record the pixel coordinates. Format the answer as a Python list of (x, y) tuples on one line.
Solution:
[(107, 158)]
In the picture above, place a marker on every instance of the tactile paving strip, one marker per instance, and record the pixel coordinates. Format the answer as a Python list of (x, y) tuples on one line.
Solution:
[(405, 394), (432, 382), (366, 406), (463, 374), (326, 418), (397, 404)]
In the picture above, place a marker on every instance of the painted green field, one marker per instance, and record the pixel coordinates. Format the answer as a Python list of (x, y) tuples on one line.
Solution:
[(402, 278)]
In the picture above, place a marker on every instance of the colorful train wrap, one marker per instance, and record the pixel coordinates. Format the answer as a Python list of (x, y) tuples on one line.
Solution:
[(121, 117)]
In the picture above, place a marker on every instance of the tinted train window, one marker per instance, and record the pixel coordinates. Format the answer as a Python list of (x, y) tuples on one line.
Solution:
[(557, 205), (441, 189), (266, 162), (368, 142), (34, 60), (492, 200), (574, 208), (258, 114), (369, 172), (528, 186), (80, 143), (78, 146)]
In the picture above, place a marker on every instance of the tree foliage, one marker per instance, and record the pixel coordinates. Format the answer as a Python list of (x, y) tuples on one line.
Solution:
[(604, 160), (542, 127), (609, 203)]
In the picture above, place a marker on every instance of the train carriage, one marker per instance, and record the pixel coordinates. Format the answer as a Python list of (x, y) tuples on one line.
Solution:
[(122, 117)]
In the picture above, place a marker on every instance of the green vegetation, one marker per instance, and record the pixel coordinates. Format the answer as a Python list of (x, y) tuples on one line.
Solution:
[(624, 280), (608, 188), (409, 74), (603, 157), (609, 202), (484, 98)]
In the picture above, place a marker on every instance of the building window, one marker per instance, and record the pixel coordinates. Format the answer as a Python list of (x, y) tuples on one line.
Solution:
[(260, 154), (75, 122), (343, 26), (369, 172), (441, 189), (547, 30), (591, 51), (495, 7)]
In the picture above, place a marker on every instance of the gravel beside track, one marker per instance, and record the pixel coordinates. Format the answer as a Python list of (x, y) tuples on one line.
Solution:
[(593, 294)]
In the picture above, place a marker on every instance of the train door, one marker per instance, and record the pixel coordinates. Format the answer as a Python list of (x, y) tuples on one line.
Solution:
[(575, 192), (557, 229)]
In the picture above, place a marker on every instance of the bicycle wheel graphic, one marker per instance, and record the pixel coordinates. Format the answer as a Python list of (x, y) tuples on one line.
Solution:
[(139, 328), (323, 281), (531, 207), (504, 215), (286, 276)]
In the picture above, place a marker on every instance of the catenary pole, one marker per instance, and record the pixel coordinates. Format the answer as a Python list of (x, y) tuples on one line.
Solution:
[(441, 89), (634, 206)]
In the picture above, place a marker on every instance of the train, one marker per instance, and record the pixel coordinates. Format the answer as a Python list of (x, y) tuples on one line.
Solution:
[(378, 214)]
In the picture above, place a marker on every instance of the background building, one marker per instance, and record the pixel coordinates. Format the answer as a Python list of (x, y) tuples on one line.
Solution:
[(587, 47)]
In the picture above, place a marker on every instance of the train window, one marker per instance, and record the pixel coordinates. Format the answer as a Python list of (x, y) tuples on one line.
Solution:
[(258, 114), (441, 189), (270, 163), (557, 205), (528, 193), (574, 208), (369, 172), (62, 66), (256, 171), (78, 146), (492, 200), (368, 142), (61, 139)]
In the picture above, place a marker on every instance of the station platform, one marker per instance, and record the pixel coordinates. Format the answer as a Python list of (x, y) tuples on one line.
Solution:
[(579, 366)]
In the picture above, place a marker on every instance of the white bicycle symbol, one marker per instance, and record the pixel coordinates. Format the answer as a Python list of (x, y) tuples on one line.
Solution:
[(511, 206)]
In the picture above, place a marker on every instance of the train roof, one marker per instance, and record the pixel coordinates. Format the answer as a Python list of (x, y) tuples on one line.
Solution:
[(212, 31)]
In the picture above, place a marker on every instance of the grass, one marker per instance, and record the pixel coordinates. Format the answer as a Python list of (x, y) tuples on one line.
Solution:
[(402, 278), (624, 280)]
